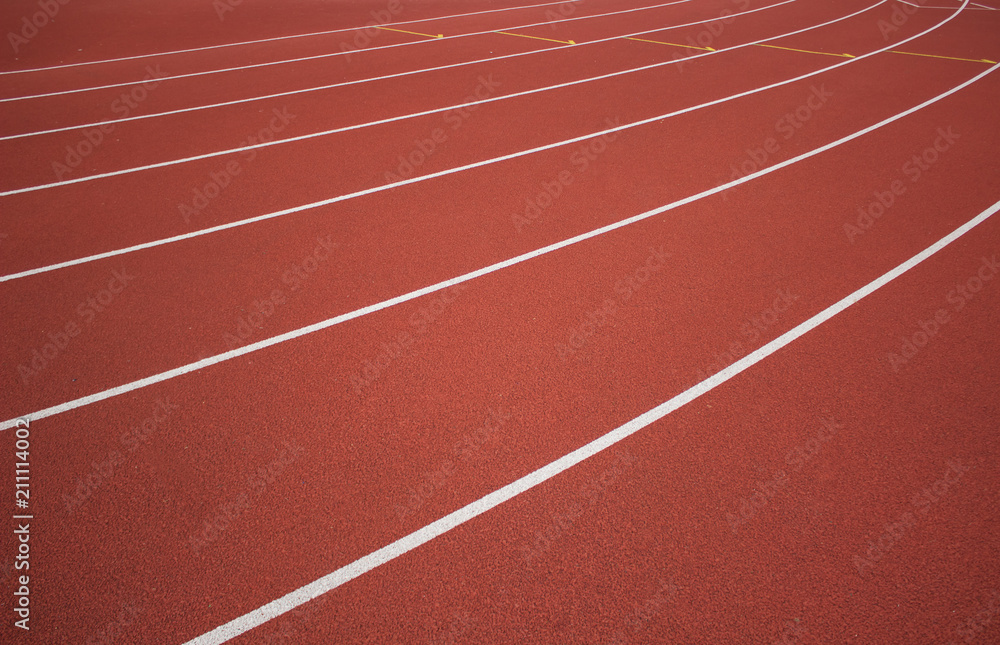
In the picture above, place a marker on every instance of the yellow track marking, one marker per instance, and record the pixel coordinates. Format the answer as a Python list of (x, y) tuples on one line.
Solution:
[(807, 51), (551, 40), (657, 42), (971, 60), (415, 33)]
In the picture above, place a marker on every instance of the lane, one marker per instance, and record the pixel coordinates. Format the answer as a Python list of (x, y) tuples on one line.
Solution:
[(447, 382), (451, 247)]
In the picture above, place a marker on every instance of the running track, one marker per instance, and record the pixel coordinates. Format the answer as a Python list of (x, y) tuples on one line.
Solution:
[(684, 332)]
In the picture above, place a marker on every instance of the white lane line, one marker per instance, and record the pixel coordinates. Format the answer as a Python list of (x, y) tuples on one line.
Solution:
[(424, 535), (357, 313), (323, 133), (332, 54), (382, 78), (277, 38), (441, 173)]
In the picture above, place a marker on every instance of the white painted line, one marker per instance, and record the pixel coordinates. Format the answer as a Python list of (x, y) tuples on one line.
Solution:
[(386, 554), (357, 313), (441, 173), (323, 133), (389, 76), (159, 79), (275, 39)]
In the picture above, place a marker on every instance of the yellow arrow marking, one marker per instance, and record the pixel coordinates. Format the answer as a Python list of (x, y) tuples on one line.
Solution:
[(970, 60), (657, 42), (551, 40), (807, 51), (415, 33)]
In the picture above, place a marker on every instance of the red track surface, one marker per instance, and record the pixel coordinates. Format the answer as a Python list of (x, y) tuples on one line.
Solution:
[(842, 489)]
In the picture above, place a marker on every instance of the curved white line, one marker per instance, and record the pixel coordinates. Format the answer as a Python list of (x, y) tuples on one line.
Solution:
[(330, 55), (357, 313), (323, 133), (379, 78), (276, 38)]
